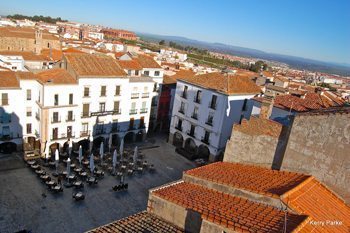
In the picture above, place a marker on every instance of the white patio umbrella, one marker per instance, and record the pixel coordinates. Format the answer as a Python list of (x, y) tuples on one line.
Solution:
[(90, 145), (68, 166), (101, 151), (80, 154), (110, 142), (57, 158), (70, 146), (121, 149), (114, 160), (92, 163), (135, 154)]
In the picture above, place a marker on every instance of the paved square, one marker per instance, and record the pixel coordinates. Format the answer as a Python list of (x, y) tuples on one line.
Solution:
[(22, 205)]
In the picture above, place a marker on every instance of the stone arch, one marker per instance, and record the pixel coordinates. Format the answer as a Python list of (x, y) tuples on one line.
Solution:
[(85, 145), (97, 142), (140, 135), (178, 139), (8, 147), (203, 152), (129, 137), (190, 146)]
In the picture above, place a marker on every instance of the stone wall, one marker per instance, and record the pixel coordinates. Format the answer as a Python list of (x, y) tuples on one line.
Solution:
[(254, 142), (320, 145)]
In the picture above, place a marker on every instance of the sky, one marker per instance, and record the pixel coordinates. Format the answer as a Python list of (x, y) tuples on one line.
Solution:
[(316, 29)]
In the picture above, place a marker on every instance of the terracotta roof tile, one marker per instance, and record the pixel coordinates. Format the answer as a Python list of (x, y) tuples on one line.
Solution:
[(225, 83), (56, 55), (29, 56), (147, 61), (248, 177), (259, 126), (322, 205), (310, 101), (130, 64), (55, 76), (140, 222), (94, 65), (8, 79), (180, 74), (229, 211), (72, 50)]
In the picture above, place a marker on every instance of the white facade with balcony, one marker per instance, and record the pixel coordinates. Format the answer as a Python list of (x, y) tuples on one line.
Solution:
[(200, 123)]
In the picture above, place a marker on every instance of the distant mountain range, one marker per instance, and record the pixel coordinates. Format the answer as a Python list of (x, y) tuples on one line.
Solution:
[(292, 61)]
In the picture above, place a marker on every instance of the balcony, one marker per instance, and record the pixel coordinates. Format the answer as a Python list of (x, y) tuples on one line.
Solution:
[(184, 95), (84, 133), (145, 95), (70, 119), (209, 121), (178, 127), (116, 112), (182, 110), (212, 105), (134, 95), (55, 120), (85, 114), (195, 116), (143, 110), (133, 111), (62, 136), (197, 100), (191, 134), (205, 140)]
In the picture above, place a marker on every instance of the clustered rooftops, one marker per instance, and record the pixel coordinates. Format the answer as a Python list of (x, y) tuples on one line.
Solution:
[(24, 33)]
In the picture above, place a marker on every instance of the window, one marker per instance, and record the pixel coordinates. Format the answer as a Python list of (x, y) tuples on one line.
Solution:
[(191, 133), (70, 116), (102, 107), (155, 87), (14, 67), (29, 128), (6, 131), (210, 119), (55, 117), (129, 72), (4, 99), (206, 137), (86, 110), (198, 97), (136, 72), (85, 127), (213, 101), (56, 100), (55, 133), (179, 125), (146, 73), (103, 90), (156, 73), (86, 91), (116, 106), (184, 93), (48, 45), (117, 90), (145, 89), (71, 98), (29, 112), (182, 107), (69, 131), (133, 105), (195, 113), (29, 94)]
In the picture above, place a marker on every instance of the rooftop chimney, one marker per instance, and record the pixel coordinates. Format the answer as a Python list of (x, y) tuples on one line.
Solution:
[(267, 105)]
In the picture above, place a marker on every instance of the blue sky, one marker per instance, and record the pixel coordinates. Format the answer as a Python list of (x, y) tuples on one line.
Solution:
[(317, 29)]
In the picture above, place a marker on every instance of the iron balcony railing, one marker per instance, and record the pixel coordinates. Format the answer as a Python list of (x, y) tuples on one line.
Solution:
[(84, 133), (133, 111), (143, 110), (134, 95), (56, 120), (145, 95), (70, 118)]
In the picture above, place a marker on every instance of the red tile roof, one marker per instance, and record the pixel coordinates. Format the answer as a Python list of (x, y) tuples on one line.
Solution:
[(147, 61), (56, 54), (130, 64), (259, 126), (24, 33), (180, 74), (310, 101), (249, 177), (72, 50), (8, 79), (55, 76), (225, 83), (232, 212), (94, 65), (322, 205), (28, 56), (140, 222)]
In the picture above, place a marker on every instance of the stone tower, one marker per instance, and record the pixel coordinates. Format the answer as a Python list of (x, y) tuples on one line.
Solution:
[(38, 43)]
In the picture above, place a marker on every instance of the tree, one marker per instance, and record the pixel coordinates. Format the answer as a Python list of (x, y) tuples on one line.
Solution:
[(162, 42)]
